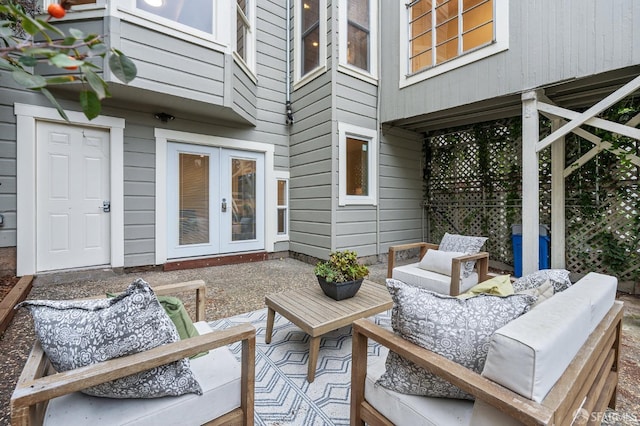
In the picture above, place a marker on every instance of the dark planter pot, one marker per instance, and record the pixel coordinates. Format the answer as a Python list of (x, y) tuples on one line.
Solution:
[(339, 291)]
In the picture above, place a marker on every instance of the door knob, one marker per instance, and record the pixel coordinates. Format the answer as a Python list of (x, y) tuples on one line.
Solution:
[(224, 205), (106, 206)]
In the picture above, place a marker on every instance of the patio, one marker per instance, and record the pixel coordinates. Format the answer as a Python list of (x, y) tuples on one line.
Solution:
[(237, 289)]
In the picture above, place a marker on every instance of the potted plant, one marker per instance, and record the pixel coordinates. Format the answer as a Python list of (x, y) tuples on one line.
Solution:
[(341, 276)]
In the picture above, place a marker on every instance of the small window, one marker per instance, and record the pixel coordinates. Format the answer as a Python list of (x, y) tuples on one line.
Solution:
[(357, 165), (358, 38), (310, 36), (283, 207)]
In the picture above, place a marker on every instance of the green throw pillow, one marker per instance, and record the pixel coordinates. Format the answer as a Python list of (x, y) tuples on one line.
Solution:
[(496, 286), (179, 316)]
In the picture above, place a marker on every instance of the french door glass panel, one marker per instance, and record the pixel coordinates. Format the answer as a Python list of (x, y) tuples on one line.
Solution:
[(215, 200)]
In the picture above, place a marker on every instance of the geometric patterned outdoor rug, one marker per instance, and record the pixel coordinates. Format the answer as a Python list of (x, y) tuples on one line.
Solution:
[(283, 396)]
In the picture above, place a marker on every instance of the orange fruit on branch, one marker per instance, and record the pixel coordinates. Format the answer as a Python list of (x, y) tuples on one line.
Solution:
[(56, 10)]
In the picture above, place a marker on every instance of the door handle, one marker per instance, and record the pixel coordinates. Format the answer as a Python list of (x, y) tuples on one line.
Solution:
[(106, 206), (223, 207)]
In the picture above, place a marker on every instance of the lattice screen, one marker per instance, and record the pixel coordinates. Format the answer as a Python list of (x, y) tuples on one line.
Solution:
[(473, 186)]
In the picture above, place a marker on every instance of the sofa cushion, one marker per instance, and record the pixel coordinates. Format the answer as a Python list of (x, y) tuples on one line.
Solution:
[(76, 333), (547, 338), (218, 373), (465, 244), (413, 275), (402, 409), (559, 279), (541, 293), (439, 261), (458, 329)]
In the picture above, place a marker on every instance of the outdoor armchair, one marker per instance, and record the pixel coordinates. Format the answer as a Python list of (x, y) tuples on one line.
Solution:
[(227, 384)]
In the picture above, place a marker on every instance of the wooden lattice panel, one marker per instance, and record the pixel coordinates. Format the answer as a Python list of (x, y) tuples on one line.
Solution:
[(463, 196)]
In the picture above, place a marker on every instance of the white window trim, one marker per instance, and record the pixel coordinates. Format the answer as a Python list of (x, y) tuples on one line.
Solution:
[(27, 117), (163, 136), (501, 44), (219, 39), (282, 175), (300, 80), (370, 76), (347, 130), (248, 65)]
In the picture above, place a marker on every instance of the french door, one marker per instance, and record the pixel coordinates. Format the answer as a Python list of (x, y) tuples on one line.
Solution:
[(215, 200)]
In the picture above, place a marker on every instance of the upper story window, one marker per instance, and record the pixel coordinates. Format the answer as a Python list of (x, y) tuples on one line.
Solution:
[(441, 35), (358, 37), (245, 32), (197, 14), (310, 36)]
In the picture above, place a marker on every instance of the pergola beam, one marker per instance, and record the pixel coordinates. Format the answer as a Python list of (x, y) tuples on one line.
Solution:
[(581, 118)]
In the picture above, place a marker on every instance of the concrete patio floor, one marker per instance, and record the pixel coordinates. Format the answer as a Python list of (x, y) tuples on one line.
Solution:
[(235, 289)]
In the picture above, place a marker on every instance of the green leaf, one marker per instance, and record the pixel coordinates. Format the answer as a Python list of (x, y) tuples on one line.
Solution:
[(30, 25), (76, 33), (122, 66), (61, 61), (48, 27), (39, 51), (28, 61), (6, 65), (97, 84), (90, 104), (55, 103), (98, 49), (27, 80)]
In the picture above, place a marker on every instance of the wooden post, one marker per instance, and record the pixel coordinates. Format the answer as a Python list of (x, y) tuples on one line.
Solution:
[(558, 214), (530, 183)]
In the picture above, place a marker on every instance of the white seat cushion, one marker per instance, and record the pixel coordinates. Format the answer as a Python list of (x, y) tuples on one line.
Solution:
[(530, 353), (404, 409), (218, 373), (413, 275)]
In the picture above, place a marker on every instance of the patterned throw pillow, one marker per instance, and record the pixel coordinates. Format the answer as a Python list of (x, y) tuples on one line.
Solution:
[(458, 329), (77, 333), (465, 244), (559, 279)]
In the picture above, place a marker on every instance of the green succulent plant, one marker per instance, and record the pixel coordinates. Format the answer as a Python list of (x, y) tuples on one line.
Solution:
[(342, 266)]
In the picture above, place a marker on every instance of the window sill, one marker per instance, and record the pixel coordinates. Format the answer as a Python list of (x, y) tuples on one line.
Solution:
[(310, 76), (358, 73)]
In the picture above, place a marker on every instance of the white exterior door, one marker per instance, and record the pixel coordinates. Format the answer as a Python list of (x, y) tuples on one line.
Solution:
[(215, 200), (72, 197)]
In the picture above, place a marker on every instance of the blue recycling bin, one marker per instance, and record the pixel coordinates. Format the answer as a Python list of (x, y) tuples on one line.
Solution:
[(544, 248)]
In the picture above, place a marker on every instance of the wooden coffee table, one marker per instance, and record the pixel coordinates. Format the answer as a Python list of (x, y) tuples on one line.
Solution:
[(317, 314)]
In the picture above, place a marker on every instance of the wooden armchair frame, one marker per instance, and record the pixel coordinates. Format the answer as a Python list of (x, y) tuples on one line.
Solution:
[(590, 380), (481, 258), (38, 383)]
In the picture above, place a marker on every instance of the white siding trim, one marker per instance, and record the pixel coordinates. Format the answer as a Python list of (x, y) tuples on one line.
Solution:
[(282, 175), (27, 117), (164, 136), (347, 130), (501, 44)]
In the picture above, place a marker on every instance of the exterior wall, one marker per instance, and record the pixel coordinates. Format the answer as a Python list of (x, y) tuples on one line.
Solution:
[(549, 41), (401, 188)]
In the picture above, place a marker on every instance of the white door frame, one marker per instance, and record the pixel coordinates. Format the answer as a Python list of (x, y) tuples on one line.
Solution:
[(163, 136), (27, 117)]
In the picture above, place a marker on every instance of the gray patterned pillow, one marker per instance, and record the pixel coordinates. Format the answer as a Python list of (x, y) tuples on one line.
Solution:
[(458, 329), (465, 244), (77, 333), (559, 279)]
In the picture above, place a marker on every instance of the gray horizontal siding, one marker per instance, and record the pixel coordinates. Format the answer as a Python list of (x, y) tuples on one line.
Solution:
[(549, 41), (400, 193)]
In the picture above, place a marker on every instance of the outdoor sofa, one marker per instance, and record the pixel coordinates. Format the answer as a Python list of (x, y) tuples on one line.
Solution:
[(556, 364)]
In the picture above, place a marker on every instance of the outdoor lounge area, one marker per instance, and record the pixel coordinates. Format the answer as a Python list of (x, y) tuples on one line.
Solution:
[(283, 392)]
